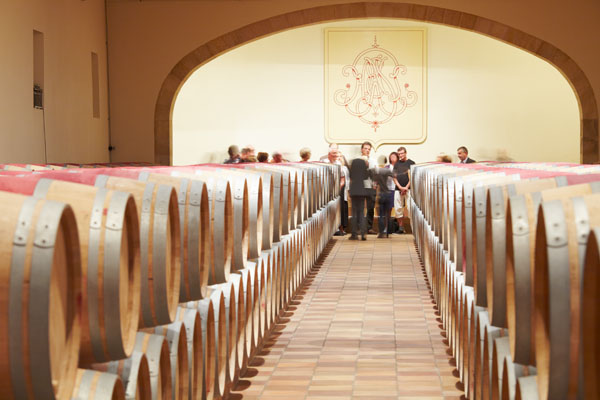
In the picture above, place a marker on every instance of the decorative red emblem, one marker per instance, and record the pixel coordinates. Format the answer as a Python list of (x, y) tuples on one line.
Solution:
[(376, 90)]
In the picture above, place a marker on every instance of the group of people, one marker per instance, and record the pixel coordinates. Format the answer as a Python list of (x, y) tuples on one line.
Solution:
[(362, 179), (392, 182), (248, 155)]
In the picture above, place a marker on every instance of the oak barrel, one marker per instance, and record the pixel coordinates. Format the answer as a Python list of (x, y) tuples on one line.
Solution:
[(107, 226), (40, 304), (96, 385), (134, 373)]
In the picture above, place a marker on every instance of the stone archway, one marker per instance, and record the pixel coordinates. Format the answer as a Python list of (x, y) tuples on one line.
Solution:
[(589, 151)]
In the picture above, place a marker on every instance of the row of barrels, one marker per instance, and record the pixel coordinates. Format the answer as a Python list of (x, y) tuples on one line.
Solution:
[(511, 255), (162, 282), (59, 166)]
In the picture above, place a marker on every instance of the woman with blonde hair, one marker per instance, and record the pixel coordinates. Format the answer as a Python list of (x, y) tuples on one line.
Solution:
[(305, 154)]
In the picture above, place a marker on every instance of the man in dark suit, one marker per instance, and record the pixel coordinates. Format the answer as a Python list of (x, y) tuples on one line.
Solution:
[(463, 155), (359, 173)]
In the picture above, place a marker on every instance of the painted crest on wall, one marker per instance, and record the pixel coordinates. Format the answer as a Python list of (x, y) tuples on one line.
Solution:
[(375, 85)]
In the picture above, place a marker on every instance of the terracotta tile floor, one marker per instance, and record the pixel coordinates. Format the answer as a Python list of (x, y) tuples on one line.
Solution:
[(363, 326)]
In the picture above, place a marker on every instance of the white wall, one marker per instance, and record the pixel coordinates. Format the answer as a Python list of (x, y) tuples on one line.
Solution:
[(495, 99), (72, 31)]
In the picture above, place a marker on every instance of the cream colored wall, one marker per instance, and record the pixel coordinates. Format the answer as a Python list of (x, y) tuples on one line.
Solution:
[(494, 98), (72, 30), (148, 38)]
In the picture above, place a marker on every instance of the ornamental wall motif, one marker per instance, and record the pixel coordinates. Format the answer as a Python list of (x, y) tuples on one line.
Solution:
[(375, 85)]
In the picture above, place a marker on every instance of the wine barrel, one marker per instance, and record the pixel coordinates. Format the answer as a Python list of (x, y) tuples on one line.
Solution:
[(112, 279), (134, 373), (500, 352), (40, 303), (453, 286), (268, 202), (272, 258), (301, 184), (510, 186), (482, 323), (262, 276), (491, 334), (251, 290), (226, 293), (176, 337), (527, 388), (450, 210), (294, 202), (107, 227), (215, 357), (284, 263), (267, 260), (237, 359), (296, 276), (281, 195), (220, 326), (195, 352), (159, 239), (561, 236), (255, 211), (279, 191), (475, 350), (512, 372), (480, 246), (194, 222), (268, 211), (159, 246), (495, 255), (239, 199), (461, 226), (221, 224), (96, 385), (305, 181), (522, 212), (590, 328), (464, 334), (156, 349), (496, 231)]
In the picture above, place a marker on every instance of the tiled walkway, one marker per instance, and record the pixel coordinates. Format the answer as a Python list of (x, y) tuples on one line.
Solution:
[(363, 326)]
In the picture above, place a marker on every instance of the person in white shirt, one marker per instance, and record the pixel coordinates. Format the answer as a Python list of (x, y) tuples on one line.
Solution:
[(334, 157)]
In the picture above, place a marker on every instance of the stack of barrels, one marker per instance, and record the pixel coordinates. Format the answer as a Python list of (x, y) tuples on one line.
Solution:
[(146, 282), (511, 253)]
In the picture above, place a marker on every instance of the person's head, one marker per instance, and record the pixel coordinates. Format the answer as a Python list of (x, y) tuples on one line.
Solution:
[(250, 149), (246, 152), (305, 154), (277, 157), (443, 158), (334, 152), (233, 151), (365, 149), (262, 156), (462, 153), (401, 153), (393, 157)]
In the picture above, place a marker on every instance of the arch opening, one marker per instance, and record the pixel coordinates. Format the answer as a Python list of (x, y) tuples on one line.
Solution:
[(588, 120)]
